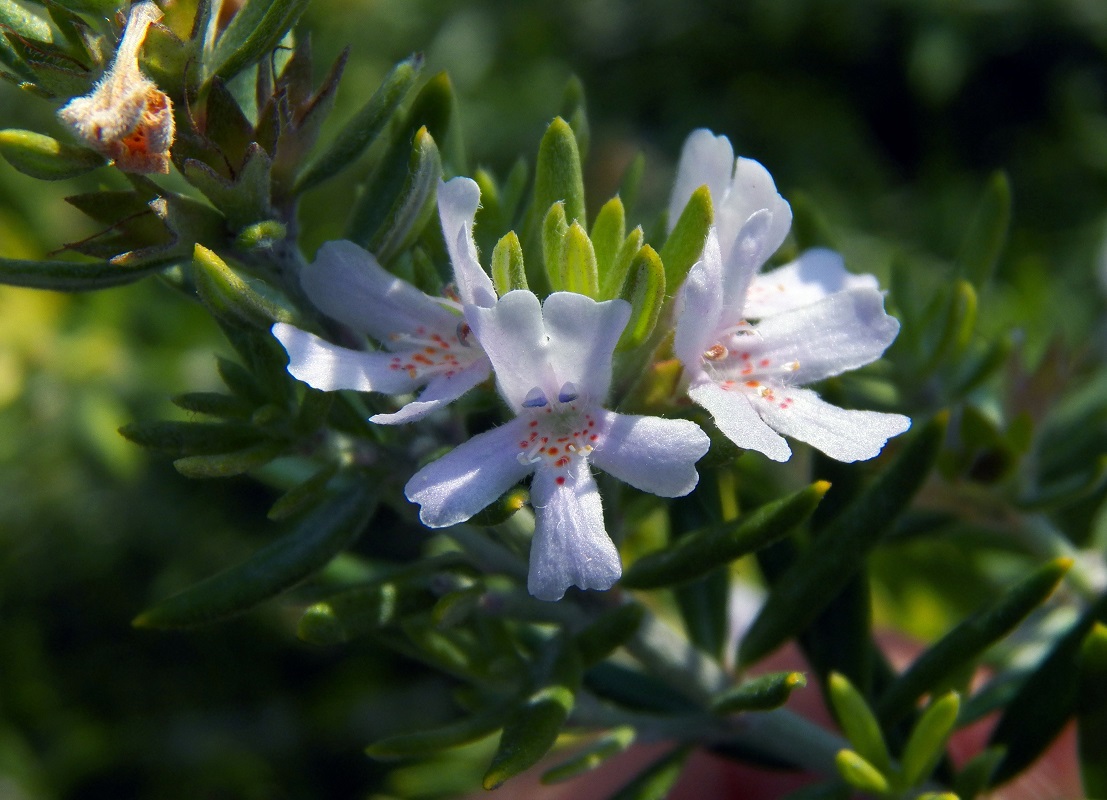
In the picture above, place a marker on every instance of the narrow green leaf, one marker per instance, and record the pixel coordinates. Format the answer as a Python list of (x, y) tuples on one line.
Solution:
[(644, 289), (235, 462), (554, 229), (214, 404), (74, 276), (529, 733), (46, 158), (357, 612), (608, 234), (655, 782), (1091, 715), (191, 438), (594, 755), (632, 178), (508, 270), (261, 235), (577, 265), (365, 126), (234, 298), (557, 175), (928, 738), (455, 607), (312, 543), (257, 28), (858, 723), (414, 205), (976, 775), (818, 575), (762, 693), (608, 632), (809, 226), (860, 774), (957, 326), (244, 200), (968, 639), (1046, 700), (684, 245), (699, 552), (573, 109), (425, 743), (612, 282), (21, 21), (986, 234), (303, 495)]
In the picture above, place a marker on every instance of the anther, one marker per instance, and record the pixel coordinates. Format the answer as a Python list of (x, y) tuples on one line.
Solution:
[(535, 398), (568, 392)]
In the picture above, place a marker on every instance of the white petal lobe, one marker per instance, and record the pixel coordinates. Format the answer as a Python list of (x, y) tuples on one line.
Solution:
[(328, 367), (650, 453)]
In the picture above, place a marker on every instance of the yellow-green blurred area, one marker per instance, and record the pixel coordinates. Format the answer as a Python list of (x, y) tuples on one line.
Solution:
[(886, 117)]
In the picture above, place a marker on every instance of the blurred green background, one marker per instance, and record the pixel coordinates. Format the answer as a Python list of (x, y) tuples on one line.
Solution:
[(887, 116)]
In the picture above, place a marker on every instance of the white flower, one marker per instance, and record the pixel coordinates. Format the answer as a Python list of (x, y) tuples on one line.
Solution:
[(740, 187), (427, 338), (747, 375), (553, 368)]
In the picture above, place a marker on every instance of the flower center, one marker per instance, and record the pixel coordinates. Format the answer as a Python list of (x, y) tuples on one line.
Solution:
[(558, 431), (425, 354)]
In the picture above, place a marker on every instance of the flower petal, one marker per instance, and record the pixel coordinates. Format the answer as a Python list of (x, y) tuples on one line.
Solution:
[(571, 546), (840, 433), (346, 282), (748, 251), (469, 477), (327, 366), (736, 418), (700, 304), (583, 335), (458, 201), (441, 391), (704, 159), (841, 332), (650, 453), (811, 277), (752, 189), (514, 337)]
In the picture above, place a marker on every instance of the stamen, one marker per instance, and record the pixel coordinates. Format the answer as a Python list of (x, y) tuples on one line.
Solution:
[(791, 366), (535, 398), (449, 291), (717, 352), (568, 393), (463, 333)]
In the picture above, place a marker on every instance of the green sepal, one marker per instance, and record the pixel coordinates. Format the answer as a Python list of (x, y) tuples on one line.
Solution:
[(818, 576), (607, 632), (244, 200), (319, 537), (46, 158), (608, 234), (24, 23), (976, 776), (431, 113), (500, 510), (1046, 699), (529, 733), (253, 32), (364, 127), (762, 693), (554, 228), (191, 438), (938, 796), (261, 235), (968, 640), (508, 270), (214, 404), (73, 276), (414, 204), (594, 755), (699, 552), (928, 738), (302, 496), (235, 462), (656, 780), (986, 234), (612, 282), (858, 722), (956, 327), (557, 175), (234, 298), (228, 128), (99, 7), (577, 263), (455, 734), (856, 770), (644, 289), (684, 246), (632, 179), (1091, 715), (455, 607)]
